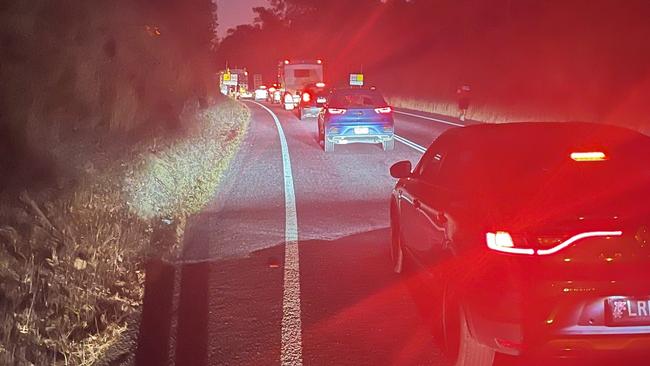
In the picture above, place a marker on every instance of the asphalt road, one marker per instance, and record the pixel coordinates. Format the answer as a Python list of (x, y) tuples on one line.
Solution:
[(348, 306)]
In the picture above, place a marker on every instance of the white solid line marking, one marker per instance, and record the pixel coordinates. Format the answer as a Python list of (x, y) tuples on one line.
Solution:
[(429, 118), (291, 353), (410, 144)]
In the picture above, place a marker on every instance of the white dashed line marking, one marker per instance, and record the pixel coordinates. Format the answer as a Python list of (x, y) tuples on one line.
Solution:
[(430, 118), (411, 144), (291, 353)]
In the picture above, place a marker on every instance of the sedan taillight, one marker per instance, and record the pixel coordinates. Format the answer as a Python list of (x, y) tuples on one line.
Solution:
[(503, 241)]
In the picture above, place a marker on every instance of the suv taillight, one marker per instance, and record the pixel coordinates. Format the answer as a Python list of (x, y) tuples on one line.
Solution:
[(336, 110)]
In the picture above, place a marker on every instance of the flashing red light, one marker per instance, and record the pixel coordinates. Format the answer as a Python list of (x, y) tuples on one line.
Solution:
[(306, 97), (384, 110), (336, 110), (320, 85), (286, 62), (319, 61)]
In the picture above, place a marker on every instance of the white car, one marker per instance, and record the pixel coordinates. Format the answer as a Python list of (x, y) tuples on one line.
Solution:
[(261, 93)]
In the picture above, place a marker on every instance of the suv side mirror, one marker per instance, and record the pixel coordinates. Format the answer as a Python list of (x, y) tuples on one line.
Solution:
[(401, 169)]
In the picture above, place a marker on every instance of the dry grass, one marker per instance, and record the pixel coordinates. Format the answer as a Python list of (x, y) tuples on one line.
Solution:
[(480, 112), (631, 117), (71, 261)]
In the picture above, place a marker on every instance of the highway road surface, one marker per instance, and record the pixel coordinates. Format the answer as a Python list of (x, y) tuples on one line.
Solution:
[(289, 264)]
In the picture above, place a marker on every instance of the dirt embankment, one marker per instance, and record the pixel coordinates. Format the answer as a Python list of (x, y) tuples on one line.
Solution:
[(110, 135)]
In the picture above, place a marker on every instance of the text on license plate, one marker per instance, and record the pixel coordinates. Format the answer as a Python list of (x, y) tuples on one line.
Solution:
[(627, 311), (361, 130)]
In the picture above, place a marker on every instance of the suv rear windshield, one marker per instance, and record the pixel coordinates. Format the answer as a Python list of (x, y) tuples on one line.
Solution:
[(356, 99)]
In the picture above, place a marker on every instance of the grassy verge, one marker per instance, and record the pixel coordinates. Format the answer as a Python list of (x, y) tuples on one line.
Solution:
[(492, 113), (478, 112), (71, 260)]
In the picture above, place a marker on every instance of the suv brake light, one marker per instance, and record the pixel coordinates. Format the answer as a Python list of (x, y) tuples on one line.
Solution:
[(589, 156), (384, 110), (336, 110)]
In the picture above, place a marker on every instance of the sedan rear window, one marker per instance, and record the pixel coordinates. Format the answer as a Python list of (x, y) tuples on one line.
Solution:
[(519, 171)]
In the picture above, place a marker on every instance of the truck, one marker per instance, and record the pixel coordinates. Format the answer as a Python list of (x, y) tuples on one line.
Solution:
[(294, 76)]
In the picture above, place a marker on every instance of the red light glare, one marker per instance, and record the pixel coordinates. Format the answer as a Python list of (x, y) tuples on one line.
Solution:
[(286, 62), (306, 97)]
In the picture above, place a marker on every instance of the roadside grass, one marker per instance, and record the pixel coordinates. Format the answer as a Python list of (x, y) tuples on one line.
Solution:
[(478, 112), (71, 260), (630, 114)]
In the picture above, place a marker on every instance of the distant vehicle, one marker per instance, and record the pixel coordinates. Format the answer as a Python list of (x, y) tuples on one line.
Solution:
[(294, 76), (537, 235), (312, 100), (246, 95), (275, 94), (261, 93), (356, 115)]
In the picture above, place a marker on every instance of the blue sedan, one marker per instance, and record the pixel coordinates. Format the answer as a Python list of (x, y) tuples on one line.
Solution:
[(356, 115)]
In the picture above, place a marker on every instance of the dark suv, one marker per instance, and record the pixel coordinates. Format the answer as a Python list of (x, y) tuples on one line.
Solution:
[(312, 100), (537, 236)]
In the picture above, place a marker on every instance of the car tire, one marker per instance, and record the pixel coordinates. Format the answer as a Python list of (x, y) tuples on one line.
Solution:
[(396, 251), (460, 346), (388, 145), (328, 146)]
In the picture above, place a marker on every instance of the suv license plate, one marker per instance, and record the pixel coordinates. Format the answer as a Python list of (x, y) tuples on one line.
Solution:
[(361, 130), (630, 311)]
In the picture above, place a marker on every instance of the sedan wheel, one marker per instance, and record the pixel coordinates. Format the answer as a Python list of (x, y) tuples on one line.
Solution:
[(461, 348), (396, 251)]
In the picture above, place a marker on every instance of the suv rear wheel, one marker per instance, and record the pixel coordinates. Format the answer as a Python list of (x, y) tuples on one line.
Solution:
[(328, 146), (388, 145)]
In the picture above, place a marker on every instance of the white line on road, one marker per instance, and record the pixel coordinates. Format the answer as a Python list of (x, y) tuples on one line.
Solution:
[(410, 144), (430, 118), (291, 353)]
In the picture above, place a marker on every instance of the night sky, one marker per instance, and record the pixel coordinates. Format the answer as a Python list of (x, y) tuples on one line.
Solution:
[(235, 12)]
